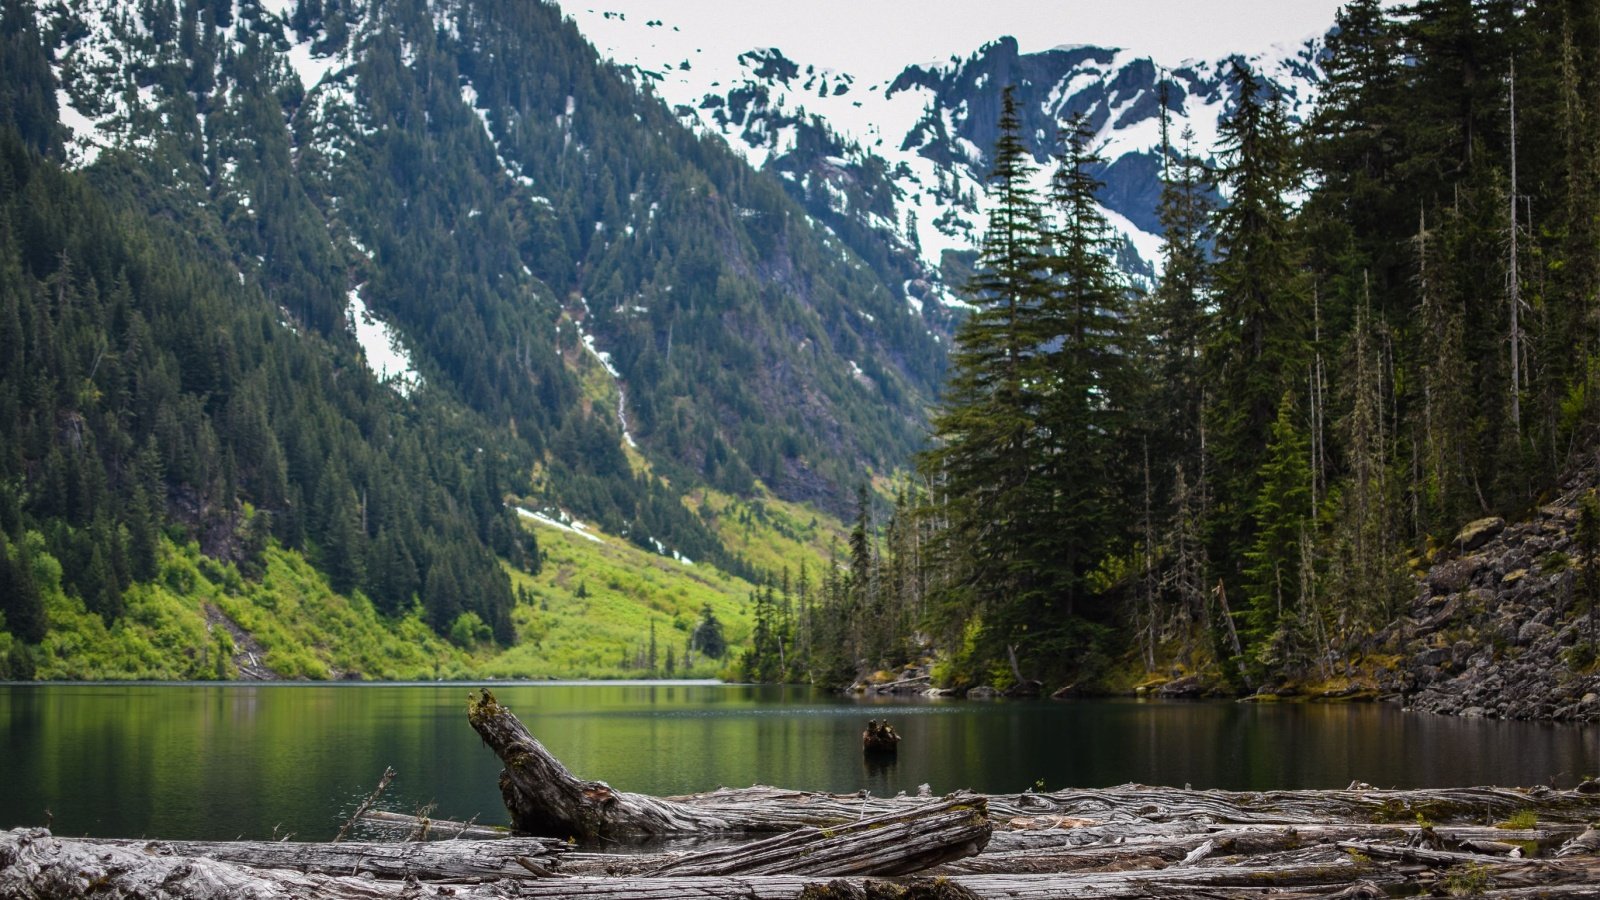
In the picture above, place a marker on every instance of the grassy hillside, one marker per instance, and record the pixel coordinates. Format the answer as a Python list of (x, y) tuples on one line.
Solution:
[(178, 627), (587, 614)]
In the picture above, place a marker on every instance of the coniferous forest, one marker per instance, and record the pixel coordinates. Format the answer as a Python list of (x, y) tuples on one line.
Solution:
[(1371, 328)]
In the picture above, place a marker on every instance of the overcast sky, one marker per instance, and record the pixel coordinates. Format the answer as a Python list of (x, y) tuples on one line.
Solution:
[(855, 34)]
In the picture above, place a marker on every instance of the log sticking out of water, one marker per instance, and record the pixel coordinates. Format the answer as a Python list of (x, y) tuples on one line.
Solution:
[(880, 738), (401, 825), (546, 799)]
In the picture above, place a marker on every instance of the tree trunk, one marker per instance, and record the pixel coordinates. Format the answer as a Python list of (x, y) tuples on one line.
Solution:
[(426, 860)]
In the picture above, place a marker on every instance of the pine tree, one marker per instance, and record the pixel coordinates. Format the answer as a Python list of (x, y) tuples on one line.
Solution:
[(1176, 313), (987, 428), (1367, 571), (1087, 384), (1258, 335), (1282, 514)]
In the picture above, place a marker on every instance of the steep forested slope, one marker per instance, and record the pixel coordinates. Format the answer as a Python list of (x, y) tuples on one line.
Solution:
[(357, 279)]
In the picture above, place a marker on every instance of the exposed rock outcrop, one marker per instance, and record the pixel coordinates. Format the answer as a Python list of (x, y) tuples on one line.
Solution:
[(1499, 628)]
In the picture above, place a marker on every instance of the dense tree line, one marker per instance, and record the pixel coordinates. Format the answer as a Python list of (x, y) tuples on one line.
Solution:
[(1372, 327)]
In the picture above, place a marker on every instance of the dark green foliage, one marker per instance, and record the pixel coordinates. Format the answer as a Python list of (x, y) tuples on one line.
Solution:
[(1282, 517), (174, 350), (27, 87), (147, 388), (1258, 344), (989, 422), (1031, 471), (707, 637), (1323, 386), (21, 602)]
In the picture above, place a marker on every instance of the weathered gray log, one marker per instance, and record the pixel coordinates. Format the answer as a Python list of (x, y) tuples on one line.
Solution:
[(426, 860), (1452, 805), (437, 829), (1431, 857), (33, 864), (1141, 803), (896, 844)]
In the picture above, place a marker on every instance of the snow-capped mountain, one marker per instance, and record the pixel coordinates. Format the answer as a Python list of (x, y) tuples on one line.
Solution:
[(901, 151)]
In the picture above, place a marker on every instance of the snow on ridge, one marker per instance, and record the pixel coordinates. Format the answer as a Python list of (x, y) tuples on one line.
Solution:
[(697, 63)]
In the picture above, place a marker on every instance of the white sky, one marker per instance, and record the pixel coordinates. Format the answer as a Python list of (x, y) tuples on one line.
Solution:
[(879, 37)]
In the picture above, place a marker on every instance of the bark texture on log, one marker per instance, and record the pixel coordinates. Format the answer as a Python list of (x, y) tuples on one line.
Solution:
[(399, 825), (432, 860), (895, 844), (33, 864)]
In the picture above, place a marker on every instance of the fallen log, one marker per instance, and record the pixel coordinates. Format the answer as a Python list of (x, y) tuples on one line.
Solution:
[(546, 799), (432, 861), (1431, 857), (896, 844), (1137, 803), (1452, 805), (33, 864), (400, 825)]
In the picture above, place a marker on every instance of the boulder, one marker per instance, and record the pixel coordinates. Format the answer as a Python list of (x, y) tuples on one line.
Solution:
[(1452, 575), (1477, 533), (1531, 632)]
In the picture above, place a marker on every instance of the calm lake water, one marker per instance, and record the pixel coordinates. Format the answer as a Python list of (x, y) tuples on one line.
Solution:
[(205, 761)]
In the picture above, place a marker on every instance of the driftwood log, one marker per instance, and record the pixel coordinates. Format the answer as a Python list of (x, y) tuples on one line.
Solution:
[(426, 860), (34, 864), (402, 826)]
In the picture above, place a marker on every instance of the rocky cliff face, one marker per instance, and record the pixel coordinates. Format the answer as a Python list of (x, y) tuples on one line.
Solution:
[(1499, 628)]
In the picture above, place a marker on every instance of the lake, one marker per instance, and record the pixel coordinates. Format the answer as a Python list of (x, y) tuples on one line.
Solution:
[(222, 761)]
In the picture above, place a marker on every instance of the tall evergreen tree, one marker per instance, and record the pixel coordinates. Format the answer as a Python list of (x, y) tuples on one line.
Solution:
[(1088, 382), (987, 432), (1258, 333)]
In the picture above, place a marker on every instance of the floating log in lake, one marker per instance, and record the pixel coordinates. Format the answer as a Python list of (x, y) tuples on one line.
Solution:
[(1132, 841)]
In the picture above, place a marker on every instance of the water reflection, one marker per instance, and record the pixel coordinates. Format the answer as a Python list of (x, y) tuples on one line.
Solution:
[(222, 761)]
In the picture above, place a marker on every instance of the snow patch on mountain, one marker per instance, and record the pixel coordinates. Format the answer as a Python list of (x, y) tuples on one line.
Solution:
[(385, 355)]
